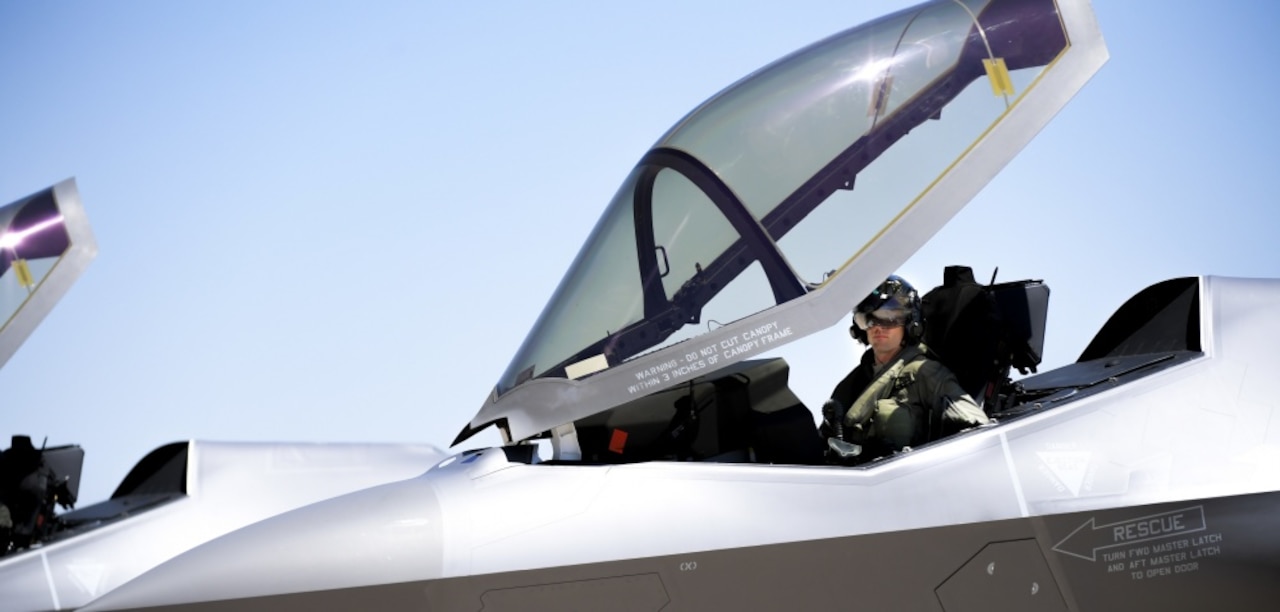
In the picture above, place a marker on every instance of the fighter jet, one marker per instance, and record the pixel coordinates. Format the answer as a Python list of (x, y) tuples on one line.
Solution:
[(179, 495), (683, 472)]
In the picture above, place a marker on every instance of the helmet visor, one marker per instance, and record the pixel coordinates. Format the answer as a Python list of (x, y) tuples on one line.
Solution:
[(883, 317)]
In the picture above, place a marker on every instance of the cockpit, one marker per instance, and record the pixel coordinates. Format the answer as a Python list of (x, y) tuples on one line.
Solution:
[(767, 211), (747, 413), (45, 244)]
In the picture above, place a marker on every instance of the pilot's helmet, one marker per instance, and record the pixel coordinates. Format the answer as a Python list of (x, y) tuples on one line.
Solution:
[(894, 300)]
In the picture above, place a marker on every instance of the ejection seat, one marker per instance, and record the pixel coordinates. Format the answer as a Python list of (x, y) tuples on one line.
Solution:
[(981, 332)]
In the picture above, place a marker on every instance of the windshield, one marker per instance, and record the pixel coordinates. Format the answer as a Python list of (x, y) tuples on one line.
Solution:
[(771, 186)]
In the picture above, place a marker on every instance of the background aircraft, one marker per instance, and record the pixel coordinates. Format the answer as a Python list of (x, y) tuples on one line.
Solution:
[(184, 494), (179, 495)]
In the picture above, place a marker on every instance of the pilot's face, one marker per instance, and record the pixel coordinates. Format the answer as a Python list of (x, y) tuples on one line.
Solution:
[(885, 338), (884, 333)]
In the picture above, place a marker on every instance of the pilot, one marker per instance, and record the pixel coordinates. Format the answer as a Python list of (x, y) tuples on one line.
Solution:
[(897, 397)]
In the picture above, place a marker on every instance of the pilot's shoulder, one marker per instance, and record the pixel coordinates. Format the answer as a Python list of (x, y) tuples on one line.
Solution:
[(928, 367)]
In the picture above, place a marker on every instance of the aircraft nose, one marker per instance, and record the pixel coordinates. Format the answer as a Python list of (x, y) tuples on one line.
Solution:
[(344, 553)]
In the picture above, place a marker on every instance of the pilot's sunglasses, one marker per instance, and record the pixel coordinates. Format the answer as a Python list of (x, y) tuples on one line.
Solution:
[(887, 323)]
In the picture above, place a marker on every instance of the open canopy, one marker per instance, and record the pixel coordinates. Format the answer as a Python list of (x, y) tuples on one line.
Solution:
[(765, 213), (45, 244)]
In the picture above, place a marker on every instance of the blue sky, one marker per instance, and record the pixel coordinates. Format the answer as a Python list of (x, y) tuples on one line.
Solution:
[(336, 221)]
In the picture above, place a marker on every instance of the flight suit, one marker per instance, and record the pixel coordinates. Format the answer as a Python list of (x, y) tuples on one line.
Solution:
[(909, 401)]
